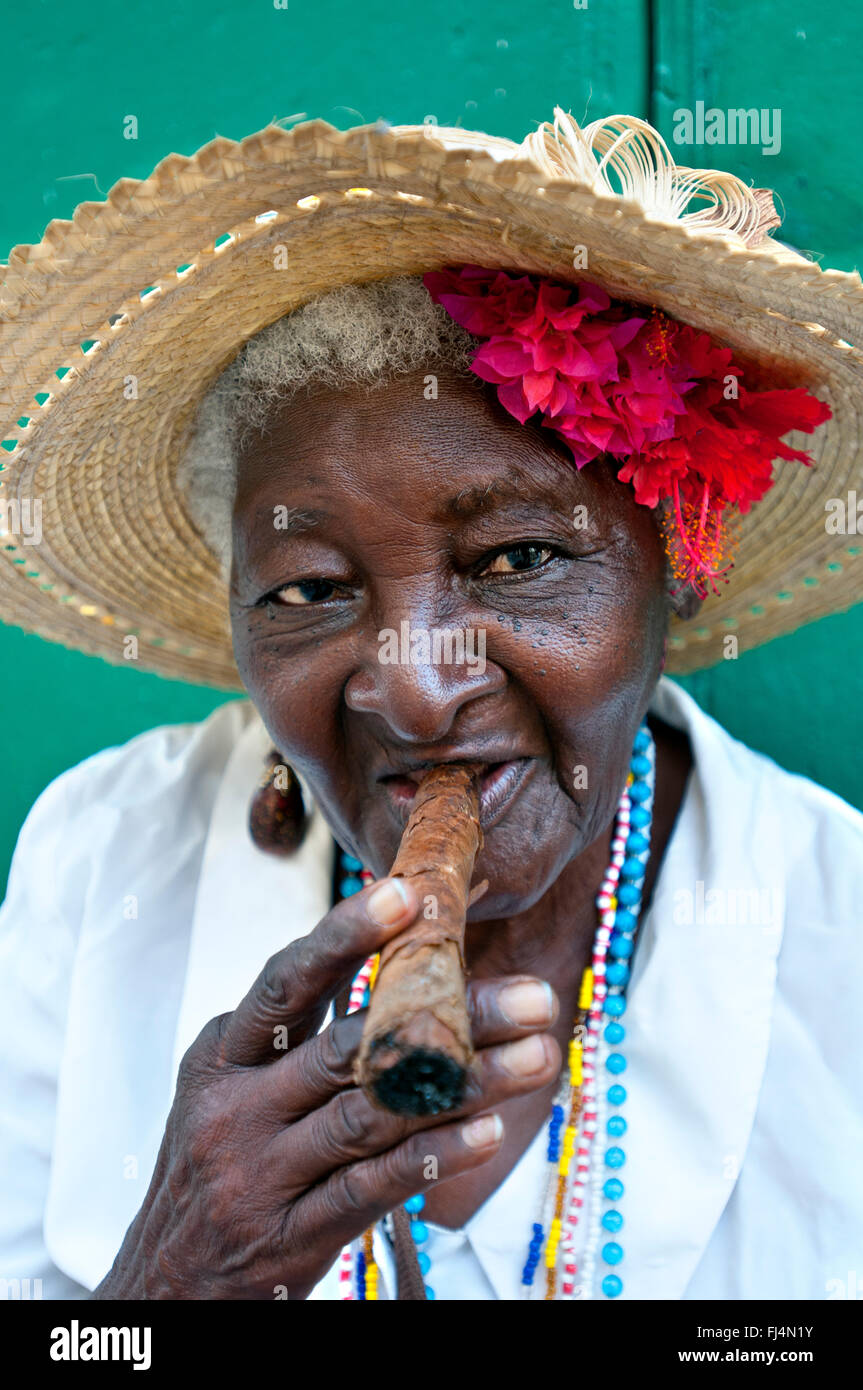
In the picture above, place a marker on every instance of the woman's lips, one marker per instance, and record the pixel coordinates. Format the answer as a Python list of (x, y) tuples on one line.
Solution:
[(499, 785)]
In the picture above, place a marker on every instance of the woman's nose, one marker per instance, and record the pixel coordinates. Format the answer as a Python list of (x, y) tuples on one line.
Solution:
[(417, 679)]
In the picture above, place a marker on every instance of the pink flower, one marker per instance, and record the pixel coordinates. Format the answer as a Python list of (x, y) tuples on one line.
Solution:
[(610, 379)]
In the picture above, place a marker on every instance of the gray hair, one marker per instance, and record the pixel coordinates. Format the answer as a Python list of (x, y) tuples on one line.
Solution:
[(359, 334)]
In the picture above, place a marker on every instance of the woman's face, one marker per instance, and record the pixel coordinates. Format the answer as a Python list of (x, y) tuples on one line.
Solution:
[(370, 527)]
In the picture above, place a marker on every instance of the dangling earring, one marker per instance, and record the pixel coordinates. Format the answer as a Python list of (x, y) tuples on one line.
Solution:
[(277, 816)]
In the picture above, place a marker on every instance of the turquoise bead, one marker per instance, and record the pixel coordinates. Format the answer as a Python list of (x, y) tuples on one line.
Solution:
[(641, 742), (621, 945), (624, 920), (614, 1033), (415, 1204), (612, 1286), (430, 1293), (616, 1126), (353, 866), (612, 1253), (349, 886), (615, 1005), (613, 1189), (639, 765), (639, 791), (628, 895), (639, 816), (637, 843), (617, 973), (423, 1261), (616, 1095), (419, 1231), (616, 1063), (632, 868), (612, 1221), (614, 1158)]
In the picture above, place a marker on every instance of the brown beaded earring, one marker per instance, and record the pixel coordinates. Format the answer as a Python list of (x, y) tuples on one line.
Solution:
[(277, 816)]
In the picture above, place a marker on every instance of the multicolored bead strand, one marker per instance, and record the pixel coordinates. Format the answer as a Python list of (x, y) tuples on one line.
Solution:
[(629, 902), (629, 861), (357, 999), (559, 1155), (420, 1234), (575, 1061), (583, 1072)]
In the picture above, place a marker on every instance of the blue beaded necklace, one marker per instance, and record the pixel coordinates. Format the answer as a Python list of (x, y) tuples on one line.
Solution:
[(580, 1109)]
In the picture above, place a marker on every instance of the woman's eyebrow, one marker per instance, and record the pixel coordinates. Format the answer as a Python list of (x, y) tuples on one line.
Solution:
[(474, 501)]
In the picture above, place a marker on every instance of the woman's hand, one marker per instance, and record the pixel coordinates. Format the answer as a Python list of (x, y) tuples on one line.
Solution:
[(272, 1159)]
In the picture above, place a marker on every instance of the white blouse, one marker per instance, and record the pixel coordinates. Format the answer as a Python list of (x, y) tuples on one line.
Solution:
[(138, 907)]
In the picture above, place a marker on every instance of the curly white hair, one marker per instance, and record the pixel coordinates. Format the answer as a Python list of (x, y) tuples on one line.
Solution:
[(359, 334)]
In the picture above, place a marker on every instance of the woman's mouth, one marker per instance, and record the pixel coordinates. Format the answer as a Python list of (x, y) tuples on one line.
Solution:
[(499, 785)]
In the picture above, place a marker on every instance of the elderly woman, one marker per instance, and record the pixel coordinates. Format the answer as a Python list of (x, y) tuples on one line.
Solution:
[(404, 414)]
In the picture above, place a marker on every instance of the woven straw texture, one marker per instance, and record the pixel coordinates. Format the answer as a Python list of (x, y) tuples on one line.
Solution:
[(117, 322)]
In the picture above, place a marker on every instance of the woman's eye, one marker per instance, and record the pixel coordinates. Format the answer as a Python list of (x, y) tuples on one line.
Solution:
[(303, 592), (528, 556)]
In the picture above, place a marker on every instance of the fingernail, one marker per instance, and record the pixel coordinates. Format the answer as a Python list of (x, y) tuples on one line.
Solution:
[(480, 1133), (524, 1057), (528, 1001), (388, 902)]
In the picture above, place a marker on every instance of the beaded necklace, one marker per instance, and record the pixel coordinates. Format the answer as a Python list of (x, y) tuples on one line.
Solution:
[(581, 1194)]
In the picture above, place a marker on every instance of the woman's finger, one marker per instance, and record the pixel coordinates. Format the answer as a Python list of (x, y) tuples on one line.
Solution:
[(355, 1197), (295, 987), (350, 1127), (509, 1007), (500, 1010)]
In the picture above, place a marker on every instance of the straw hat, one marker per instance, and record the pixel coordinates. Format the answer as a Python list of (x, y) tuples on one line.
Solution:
[(117, 322)]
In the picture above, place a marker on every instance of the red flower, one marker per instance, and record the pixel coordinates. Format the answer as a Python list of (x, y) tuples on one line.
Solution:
[(659, 395)]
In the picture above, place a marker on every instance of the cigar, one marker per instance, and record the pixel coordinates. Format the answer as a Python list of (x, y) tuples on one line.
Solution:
[(416, 1045)]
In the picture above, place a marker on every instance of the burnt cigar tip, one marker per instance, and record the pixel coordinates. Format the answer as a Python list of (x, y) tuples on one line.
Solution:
[(421, 1083)]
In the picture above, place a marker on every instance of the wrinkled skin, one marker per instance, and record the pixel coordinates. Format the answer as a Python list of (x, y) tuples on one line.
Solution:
[(573, 648), (449, 514)]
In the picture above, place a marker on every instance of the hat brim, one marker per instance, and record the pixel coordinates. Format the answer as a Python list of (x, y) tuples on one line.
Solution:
[(125, 315)]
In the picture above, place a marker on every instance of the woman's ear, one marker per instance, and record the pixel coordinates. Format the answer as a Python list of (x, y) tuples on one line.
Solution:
[(682, 598), (684, 601)]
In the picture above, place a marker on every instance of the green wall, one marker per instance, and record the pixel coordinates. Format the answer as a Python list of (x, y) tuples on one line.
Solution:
[(188, 73)]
